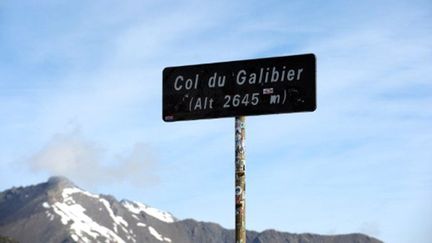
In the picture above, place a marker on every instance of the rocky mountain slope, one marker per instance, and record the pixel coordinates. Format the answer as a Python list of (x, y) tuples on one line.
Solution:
[(59, 211)]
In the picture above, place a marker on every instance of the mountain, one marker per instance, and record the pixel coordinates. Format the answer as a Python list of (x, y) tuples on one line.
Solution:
[(59, 211)]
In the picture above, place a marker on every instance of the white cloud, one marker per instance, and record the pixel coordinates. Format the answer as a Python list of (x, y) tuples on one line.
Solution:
[(87, 163)]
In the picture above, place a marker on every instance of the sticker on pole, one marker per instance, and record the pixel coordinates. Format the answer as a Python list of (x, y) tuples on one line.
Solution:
[(240, 88)]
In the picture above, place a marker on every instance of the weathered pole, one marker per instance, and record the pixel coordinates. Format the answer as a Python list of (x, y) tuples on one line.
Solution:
[(240, 176)]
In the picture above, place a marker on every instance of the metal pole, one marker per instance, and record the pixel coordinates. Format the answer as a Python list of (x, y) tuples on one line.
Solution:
[(240, 175)]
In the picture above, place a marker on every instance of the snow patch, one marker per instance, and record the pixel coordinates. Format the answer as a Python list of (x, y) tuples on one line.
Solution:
[(46, 205), (67, 192), (155, 233), (81, 224), (118, 221), (74, 237), (141, 224), (83, 228), (137, 208), (49, 215)]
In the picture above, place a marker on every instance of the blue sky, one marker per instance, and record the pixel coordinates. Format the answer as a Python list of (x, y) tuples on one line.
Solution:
[(80, 96)]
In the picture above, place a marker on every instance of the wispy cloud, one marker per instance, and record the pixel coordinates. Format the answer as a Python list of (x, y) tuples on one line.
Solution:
[(87, 163)]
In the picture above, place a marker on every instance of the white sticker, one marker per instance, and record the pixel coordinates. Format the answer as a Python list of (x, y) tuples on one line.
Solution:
[(268, 91)]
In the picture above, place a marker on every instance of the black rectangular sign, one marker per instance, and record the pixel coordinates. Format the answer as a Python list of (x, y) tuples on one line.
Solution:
[(240, 88)]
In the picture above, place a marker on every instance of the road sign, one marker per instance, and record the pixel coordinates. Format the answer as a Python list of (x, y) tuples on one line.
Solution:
[(240, 88)]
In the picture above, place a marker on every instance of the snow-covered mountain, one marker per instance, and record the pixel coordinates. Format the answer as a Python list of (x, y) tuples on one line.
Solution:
[(59, 211)]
